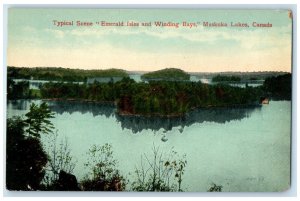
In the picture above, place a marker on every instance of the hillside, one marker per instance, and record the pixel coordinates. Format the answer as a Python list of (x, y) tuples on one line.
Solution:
[(61, 74), (167, 74), (242, 75)]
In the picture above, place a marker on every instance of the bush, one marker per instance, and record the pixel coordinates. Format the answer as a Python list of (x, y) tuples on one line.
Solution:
[(103, 175)]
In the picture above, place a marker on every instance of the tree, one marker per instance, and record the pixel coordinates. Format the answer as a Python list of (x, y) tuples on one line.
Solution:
[(161, 173), (60, 161), (65, 182), (279, 87), (25, 158), (215, 188), (17, 90), (38, 120), (103, 174)]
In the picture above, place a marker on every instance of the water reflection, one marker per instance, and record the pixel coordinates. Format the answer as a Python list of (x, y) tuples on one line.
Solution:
[(138, 123), (70, 107), (83, 107), (20, 104), (218, 115)]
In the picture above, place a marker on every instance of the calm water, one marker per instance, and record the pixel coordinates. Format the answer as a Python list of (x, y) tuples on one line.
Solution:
[(36, 84), (242, 149)]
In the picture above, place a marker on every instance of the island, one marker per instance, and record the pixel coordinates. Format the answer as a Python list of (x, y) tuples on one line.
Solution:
[(168, 74)]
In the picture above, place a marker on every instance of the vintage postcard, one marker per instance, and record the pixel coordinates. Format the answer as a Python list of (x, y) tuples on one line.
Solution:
[(171, 100)]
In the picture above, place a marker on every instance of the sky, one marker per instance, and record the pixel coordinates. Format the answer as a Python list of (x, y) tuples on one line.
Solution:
[(35, 41)]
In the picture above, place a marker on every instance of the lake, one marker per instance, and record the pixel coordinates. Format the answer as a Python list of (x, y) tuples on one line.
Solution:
[(36, 84), (242, 149)]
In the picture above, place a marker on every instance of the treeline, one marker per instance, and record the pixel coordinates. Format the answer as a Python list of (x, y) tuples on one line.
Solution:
[(167, 74), (279, 87), (156, 97), (61, 74), (20, 90), (223, 78), (260, 75)]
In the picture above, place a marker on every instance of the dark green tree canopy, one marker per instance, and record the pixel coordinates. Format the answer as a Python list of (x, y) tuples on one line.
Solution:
[(38, 120), (167, 74), (25, 158), (61, 74)]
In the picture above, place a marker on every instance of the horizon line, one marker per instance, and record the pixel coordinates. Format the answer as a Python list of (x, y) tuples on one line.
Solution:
[(149, 71)]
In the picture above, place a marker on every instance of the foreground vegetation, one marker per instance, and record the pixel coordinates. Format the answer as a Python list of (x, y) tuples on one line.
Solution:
[(26, 158), (31, 165)]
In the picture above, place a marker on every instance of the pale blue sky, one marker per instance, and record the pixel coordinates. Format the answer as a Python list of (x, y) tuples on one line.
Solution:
[(33, 40)]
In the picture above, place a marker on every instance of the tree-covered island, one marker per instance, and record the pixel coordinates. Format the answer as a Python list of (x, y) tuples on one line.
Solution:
[(169, 74), (159, 98)]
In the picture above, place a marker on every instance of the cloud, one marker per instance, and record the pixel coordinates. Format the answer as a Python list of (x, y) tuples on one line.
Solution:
[(57, 33), (217, 49), (107, 56), (251, 39)]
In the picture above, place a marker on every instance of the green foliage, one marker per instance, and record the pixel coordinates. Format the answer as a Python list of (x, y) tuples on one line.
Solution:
[(215, 188), (163, 172), (279, 87), (35, 93), (167, 74), (25, 158), (161, 98), (15, 130), (103, 174), (223, 78), (38, 120), (61, 74), (59, 159), (20, 90), (62, 90)]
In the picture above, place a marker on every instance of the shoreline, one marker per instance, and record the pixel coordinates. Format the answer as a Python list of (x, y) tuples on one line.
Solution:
[(78, 100), (173, 115), (123, 113)]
